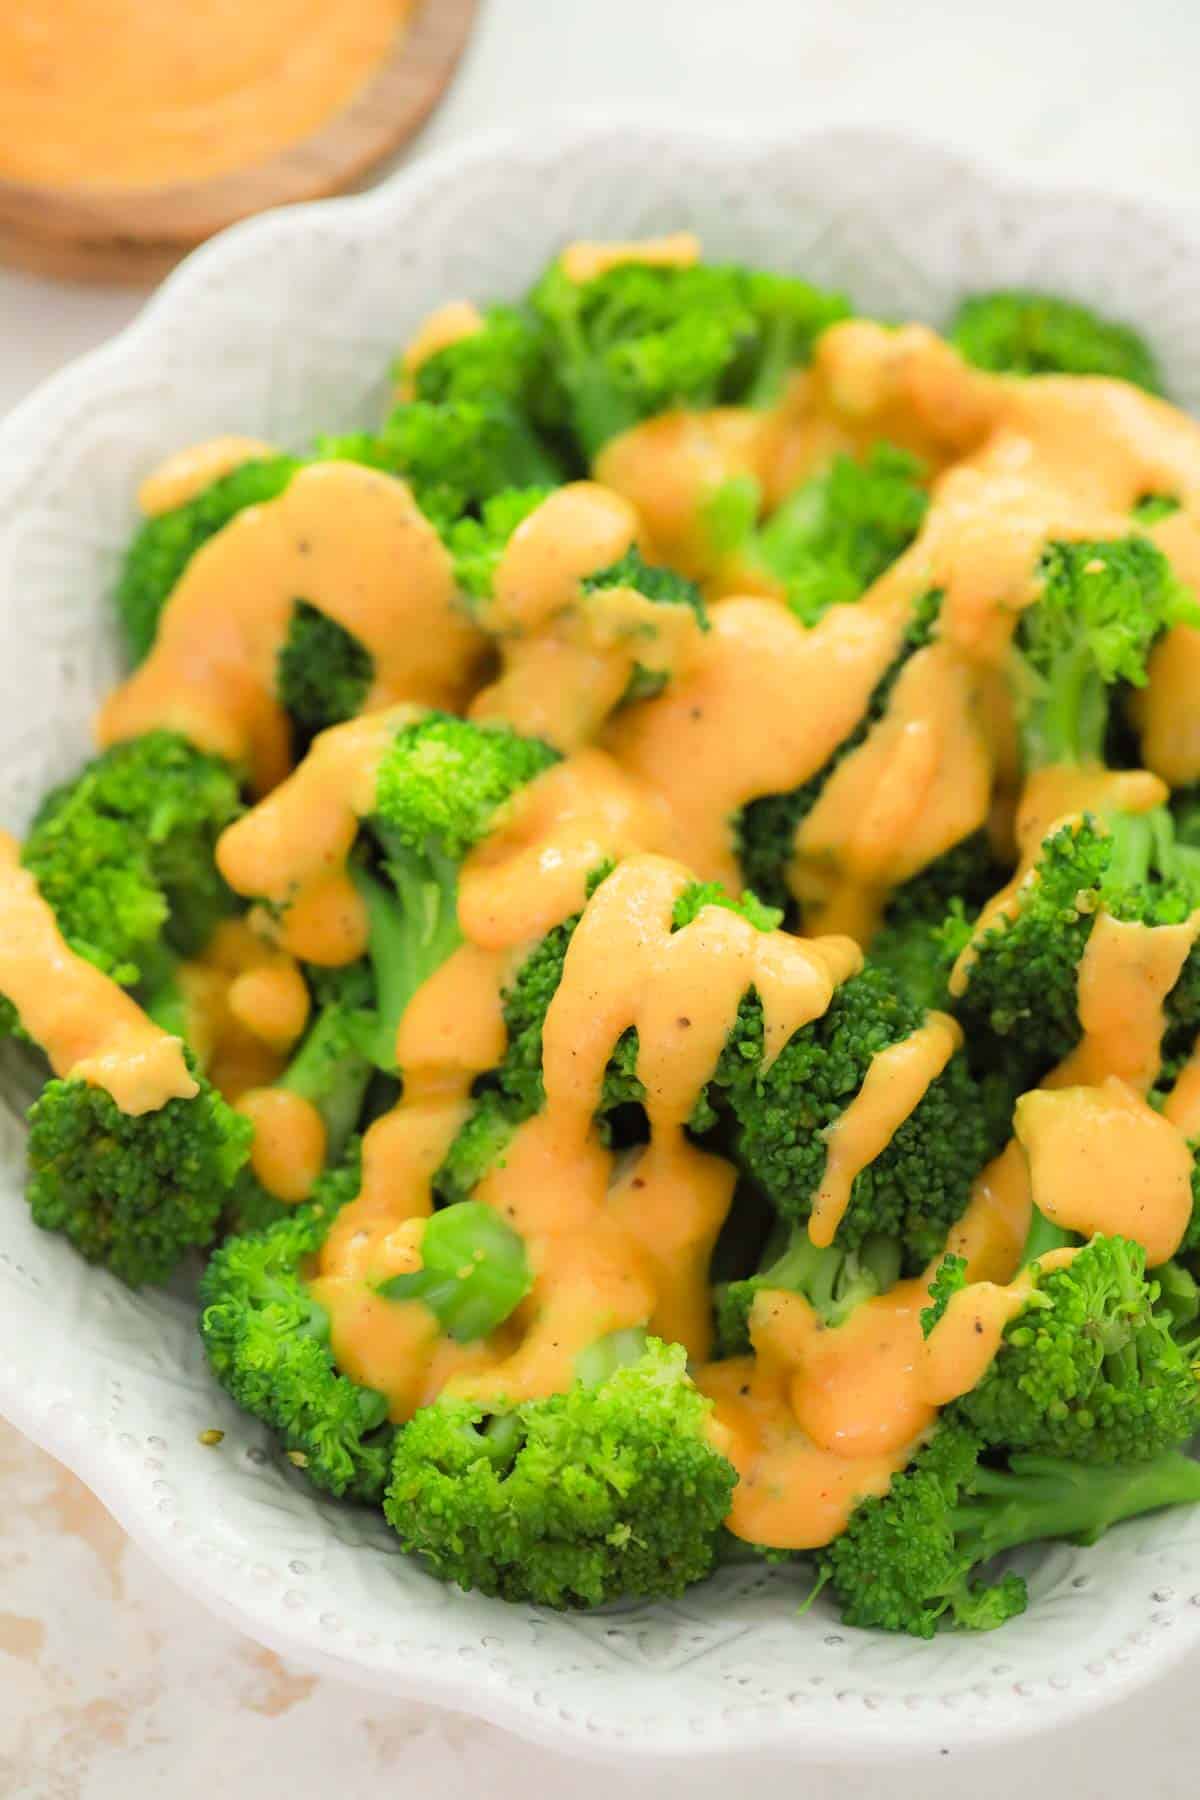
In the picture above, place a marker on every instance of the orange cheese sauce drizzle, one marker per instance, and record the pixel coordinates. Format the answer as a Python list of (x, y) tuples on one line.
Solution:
[(188, 472), (89, 1028), (349, 540)]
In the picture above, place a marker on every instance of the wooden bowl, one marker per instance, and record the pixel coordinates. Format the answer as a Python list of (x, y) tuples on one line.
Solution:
[(135, 234)]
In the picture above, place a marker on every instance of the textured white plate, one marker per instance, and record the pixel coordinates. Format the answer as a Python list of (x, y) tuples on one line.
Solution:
[(280, 328)]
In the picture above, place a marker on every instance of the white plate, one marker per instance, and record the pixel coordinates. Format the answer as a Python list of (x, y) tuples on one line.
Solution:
[(280, 328)]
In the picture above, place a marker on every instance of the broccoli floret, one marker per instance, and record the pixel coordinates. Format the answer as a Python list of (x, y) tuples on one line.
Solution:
[(640, 340), (912, 1559), (323, 674), (766, 829), (912, 944), (918, 1186), (478, 1146), (454, 456), (837, 533), (1101, 608), (163, 546), (504, 362), (478, 544), (1090, 1368), (124, 853), (608, 1490), (833, 1281), (438, 792), (267, 1342), (133, 1191), (1018, 332)]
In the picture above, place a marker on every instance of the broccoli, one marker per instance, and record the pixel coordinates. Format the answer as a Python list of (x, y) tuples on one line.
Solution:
[(1015, 331), (766, 829), (438, 792), (833, 1281), (1101, 608), (610, 1489), (453, 456), (133, 1191), (477, 544), (912, 1559), (267, 1337), (640, 340), (912, 944), (124, 853), (267, 1343), (1090, 1369), (918, 1186), (835, 535), (503, 363)]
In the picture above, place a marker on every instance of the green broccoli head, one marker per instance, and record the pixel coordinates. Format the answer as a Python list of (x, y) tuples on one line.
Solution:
[(323, 674), (1090, 1368), (911, 1560), (503, 363), (478, 1146), (477, 544), (835, 535), (641, 339), (134, 1192), (267, 1343), (1101, 606), (608, 1490), (918, 1186), (440, 789), (453, 456), (125, 852), (1019, 332), (833, 1280), (913, 945)]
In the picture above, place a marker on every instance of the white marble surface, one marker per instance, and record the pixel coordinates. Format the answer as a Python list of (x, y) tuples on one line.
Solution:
[(112, 1684)]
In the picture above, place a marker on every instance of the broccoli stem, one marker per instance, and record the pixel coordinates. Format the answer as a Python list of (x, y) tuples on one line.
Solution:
[(410, 934), (331, 1072), (1043, 1237), (1048, 1497), (608, 1354)]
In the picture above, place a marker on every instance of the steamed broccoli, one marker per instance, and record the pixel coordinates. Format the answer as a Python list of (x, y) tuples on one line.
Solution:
[(124, 853), (640, 340), (1090, 1369), (919, 1184), (438, 792), (267, 1336), (610, 1489), (133, 1191), (502, 363), (1015, 331), (267, 1342), (1101, 608), (913, 1559), (835, 535), (833, 1281), (453, 456)]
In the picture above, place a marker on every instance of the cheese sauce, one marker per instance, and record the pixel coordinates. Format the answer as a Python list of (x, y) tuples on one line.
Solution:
[(89, 1028), (109, 93), (353, 543)]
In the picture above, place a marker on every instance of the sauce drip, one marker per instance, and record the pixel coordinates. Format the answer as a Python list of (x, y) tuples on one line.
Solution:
[(349, 540), (188, 472), (89, 1028), (1102, 1161)]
